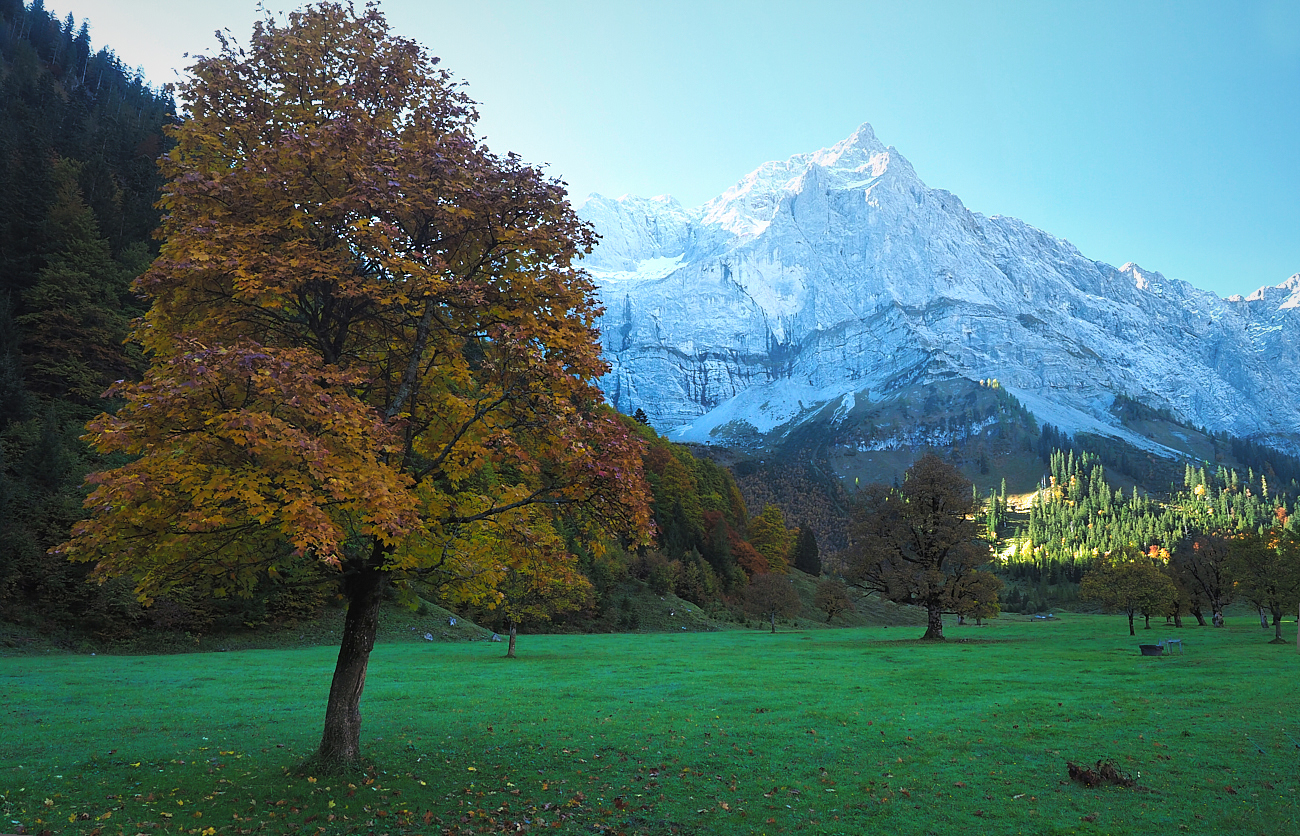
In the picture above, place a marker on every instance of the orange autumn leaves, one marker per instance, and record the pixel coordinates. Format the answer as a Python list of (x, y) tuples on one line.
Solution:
[(236, 451), (368, 342)]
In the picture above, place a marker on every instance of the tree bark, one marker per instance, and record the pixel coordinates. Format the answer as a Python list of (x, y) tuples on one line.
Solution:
[(340, 743), (1263, 618), (1200, 619), (1178, 619), (934, 624), (773, 615), (1131, 631), (510, 648)]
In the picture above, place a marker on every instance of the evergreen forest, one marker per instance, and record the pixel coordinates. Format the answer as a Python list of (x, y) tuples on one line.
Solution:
[(79, 137)]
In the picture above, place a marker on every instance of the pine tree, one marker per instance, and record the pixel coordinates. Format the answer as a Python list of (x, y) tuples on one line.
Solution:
[(75, 322), (807, 558)]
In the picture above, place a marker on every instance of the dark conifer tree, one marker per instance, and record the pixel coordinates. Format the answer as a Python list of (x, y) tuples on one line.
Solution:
[(807, 558)]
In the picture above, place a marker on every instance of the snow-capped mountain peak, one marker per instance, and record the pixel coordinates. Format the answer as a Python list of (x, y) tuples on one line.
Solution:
[(840, 273), (859, 161)]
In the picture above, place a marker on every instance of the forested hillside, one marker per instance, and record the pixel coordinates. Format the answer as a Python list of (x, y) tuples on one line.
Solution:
[(1079, 515), (79, 134)]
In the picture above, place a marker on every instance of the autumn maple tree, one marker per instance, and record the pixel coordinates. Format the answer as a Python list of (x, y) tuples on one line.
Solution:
[(1129, 581), (1200, 566), (1266, 570), (770, 538), (772, 594), (369, 348), (919, 544), (542, 579)]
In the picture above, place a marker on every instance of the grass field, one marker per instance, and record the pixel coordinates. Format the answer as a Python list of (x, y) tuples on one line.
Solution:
[(831, 731)]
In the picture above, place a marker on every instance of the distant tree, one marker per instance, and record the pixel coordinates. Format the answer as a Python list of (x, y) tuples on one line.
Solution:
[(832, 598), (697, 582), (541, 579), (1187, 598), (747, 559), (717, 546), (976, 596), (690, 496), (76, 321), (771, 595), (732, 558), (1128, 581), (806, 556), (640, 417), (659, 573), (1200, 564), (917, 544), (1266, 568), (14, 400), (770, 538)]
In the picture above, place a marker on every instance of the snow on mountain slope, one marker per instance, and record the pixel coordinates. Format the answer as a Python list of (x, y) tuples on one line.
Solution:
[(840, 272)]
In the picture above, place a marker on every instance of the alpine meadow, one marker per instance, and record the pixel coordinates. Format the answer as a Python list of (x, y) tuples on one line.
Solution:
[(827, 507)]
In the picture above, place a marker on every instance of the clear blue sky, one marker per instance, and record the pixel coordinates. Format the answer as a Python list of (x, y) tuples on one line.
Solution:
[(1166, 133)]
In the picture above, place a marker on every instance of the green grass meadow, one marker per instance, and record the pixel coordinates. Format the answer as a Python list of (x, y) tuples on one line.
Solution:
[(850, 731)]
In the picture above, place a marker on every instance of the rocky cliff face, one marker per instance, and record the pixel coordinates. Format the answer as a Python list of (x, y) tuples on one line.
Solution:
[(838, 277)]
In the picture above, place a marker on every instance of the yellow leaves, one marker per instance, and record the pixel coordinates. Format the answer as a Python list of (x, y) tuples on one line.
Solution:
[(298, 460), (365, 330)]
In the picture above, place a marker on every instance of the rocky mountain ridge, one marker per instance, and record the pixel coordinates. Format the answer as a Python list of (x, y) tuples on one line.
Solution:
[(837, 278)]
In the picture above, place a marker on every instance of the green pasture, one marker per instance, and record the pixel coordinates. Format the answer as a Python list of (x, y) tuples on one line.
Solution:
[(850, 731)]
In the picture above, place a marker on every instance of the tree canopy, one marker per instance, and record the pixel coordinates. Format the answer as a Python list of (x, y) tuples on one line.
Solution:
[(370, 350), (1128, 581), (772, 594), (919, 544), (1266, 569)]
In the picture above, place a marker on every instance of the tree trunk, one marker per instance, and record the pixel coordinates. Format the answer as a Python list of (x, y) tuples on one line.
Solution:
[(934, 624), (1131, 631), (1200, 619), (1178, 620), (1277, 626), (340, 743), (1263, 618), (773, 616), (510, 648), (1147, 620)]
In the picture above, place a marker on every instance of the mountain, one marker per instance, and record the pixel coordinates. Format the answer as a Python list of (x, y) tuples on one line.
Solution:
[(818, 286)]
